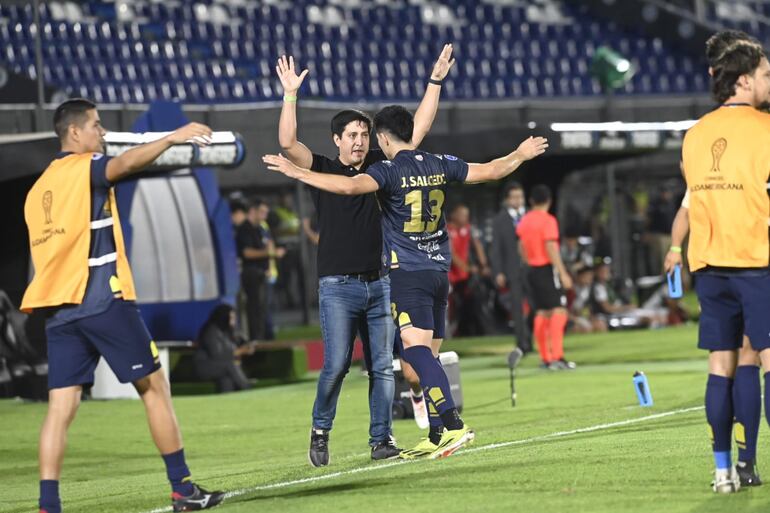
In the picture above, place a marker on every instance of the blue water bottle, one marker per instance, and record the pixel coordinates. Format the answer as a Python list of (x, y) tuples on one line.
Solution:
[(675, 282), (642, 388)]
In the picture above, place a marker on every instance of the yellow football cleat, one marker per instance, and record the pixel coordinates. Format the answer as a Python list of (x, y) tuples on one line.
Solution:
[(451, 441), (422, 450)]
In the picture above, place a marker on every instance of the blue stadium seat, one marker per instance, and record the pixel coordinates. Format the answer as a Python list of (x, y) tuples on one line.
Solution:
[(386, 55)]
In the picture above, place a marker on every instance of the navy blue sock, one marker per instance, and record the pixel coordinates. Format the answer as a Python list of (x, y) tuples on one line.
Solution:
[(767, 396), (450, 418), (747, 400), (178, 473), (719, 414), (434, 383), (49, 496), (434, 420)]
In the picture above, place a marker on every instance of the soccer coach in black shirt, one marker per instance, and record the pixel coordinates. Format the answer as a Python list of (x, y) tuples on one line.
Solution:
[(353, 294)]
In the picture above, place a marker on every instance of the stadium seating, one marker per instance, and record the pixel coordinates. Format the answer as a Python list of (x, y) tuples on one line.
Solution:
[(225, 51), (752, 17)]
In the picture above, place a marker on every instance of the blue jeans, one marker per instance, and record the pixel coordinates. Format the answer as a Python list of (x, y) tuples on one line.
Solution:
[(347, 306)]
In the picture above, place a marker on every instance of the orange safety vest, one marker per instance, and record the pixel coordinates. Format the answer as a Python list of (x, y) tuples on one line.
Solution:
[(58, 216), (726, 160)]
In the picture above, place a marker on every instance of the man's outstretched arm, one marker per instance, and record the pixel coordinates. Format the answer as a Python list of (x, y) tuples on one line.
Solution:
[(426, 111), (287, 124), (138, 158), (337, 184), (502, 167)]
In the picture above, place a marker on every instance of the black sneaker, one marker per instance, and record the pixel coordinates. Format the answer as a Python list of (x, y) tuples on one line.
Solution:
[(319, 448), (747, 473), (386, 449), (200, 499)]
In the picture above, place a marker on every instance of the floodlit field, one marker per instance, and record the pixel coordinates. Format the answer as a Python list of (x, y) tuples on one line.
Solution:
[(576, 441)]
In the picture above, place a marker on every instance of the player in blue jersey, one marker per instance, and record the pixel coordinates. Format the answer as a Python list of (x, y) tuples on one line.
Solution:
[(411, 189)]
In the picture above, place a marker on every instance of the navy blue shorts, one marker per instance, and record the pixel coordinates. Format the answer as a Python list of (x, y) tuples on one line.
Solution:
[(419, 299), (118, 334), (732, 306)]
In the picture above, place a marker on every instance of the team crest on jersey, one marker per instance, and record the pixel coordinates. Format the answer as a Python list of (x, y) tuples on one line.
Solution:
[(450, 157), (418, 157), (97, 156)]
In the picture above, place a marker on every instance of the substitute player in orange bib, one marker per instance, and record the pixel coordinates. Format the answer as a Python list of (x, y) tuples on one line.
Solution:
[(724, 158), (747, 387), (83, 283)]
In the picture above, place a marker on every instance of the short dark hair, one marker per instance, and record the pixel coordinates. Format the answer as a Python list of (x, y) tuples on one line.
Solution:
[(69, 112), (719, 42), (237, 205), (344, 117), (585, 268), (256, 203), (540, 194), (395, 120), (513, 185), (738, 58)]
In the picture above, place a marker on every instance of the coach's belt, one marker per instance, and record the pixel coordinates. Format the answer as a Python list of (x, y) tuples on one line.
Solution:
[(365, 277)]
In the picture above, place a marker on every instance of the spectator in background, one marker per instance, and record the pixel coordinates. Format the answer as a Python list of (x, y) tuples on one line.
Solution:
[(237, 212), (310, 266), (606, 303), (310, 228), (467, 297), (581, 320), (506, 260), (576, 256), (640, 238), (278, 252), (286, 222), (660, 214), (219, 352), (258, 254), (285, 227), (538, 232)]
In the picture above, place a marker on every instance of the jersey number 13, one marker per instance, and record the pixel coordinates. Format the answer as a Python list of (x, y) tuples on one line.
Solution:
[(435, 202)]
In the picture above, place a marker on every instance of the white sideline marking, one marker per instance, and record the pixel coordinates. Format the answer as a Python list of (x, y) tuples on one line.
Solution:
[(369, 468), (598, 427)]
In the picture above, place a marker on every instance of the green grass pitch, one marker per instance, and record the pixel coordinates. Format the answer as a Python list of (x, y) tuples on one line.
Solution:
[(575, 442)]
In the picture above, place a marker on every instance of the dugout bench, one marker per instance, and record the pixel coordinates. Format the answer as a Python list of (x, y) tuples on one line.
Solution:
[(279, 360)]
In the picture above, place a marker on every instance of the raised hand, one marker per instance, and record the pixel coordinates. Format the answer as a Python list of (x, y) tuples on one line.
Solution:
[(288, 76), (282, 165), (196, 133), (532, 147), (443, 64)]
